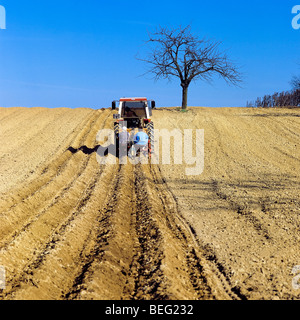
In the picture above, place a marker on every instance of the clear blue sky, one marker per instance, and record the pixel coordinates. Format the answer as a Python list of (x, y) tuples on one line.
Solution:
[(82, 53)]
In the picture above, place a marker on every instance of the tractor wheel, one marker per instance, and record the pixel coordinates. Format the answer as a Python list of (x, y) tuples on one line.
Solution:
[(150, 132), (117, 131)]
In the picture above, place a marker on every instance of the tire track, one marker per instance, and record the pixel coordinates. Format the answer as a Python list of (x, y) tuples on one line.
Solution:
[(146, 267), (206, 275), (165, 265), (241, 208), (192, 261), (125, 261)]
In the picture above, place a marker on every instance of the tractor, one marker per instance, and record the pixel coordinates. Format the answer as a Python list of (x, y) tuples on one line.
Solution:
[(134, 114)]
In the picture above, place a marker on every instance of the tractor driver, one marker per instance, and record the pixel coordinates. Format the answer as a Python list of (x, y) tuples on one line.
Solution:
[(129, 112)]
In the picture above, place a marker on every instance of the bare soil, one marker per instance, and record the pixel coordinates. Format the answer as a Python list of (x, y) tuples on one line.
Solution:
[(71, 228)]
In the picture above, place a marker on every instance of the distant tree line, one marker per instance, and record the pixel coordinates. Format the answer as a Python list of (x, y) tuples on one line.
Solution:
[(278, 100), (295, 82)]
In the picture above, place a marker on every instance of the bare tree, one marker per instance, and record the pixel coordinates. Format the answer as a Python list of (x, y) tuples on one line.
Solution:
[(295, 82), (178, 53)]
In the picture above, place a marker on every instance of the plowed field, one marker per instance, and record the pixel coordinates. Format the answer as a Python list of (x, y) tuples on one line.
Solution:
[(71, 228)]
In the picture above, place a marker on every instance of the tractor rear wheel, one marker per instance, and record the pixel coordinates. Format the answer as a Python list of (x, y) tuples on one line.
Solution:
[(117, 131), (150, 132)]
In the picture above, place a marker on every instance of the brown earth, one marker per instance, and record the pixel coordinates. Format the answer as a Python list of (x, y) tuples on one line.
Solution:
[(71, 228)]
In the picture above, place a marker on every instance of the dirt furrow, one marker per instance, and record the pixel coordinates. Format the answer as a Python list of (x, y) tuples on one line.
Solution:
[(46, 174), (29, 242), (43, 194), (103, 269), (44, 221), (58, 253), (52, 168), (146, 267)]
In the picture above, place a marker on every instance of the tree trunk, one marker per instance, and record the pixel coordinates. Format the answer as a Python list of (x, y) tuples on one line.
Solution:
[(184, 96)]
